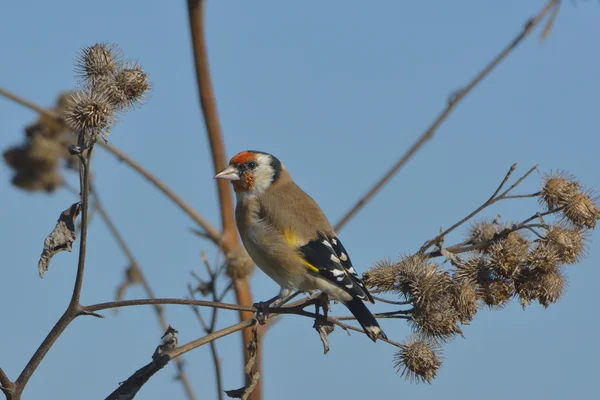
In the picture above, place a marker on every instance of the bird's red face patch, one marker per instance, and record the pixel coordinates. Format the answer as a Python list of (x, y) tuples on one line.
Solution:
[(246, 177), (242, 158), (245, 183)]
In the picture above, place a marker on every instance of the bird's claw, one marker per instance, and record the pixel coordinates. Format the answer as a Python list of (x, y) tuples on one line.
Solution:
[(262, 311)]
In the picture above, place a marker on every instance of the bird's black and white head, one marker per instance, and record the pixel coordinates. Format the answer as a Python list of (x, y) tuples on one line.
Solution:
[(252, 172)]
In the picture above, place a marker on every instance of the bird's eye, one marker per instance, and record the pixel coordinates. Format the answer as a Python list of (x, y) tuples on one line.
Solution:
[(251, 165)]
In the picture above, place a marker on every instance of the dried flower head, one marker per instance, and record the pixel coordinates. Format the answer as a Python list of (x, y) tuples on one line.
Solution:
[(418, 360), (508, 254), (469, 269), (465, 300), (98, 62), (419, 279), (381, 277), (239, 264), (35, 164), (582, 210), (545, 286), (90, 112), (552, 286), (437, 321), (569, 243), (557, 189), (130, 85), (543, 257), (483, 231), (496, 293)]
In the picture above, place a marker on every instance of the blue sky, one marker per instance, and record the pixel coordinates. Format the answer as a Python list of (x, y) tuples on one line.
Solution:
[(337, 90)]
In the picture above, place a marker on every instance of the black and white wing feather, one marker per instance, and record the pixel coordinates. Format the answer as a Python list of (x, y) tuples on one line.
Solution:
[(334, 265)]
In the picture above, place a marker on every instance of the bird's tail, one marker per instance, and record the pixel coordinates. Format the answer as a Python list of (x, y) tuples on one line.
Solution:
[(364, 317)]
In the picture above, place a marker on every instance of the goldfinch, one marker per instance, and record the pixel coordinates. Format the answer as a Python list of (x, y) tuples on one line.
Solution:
[(287, 235)]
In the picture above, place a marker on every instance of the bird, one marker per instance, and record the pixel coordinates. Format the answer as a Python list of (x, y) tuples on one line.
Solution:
[(288, 236)]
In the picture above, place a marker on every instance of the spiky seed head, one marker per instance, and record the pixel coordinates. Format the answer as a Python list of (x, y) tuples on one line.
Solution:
[(496, 293), (508, 254), (418, 360), (469, 269), (545, 286), (543, 257), (465, 300), (569, 243), (557, 189), (526, 286), (381, 277), (89, 112), (416, 275), (239, 264), (483, 231), (437, 321), (551, 287), (98, 62), (582, 211)]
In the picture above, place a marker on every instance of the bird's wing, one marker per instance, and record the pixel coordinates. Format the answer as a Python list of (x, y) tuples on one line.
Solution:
[(313, 238), (342, 254), (320, 256)]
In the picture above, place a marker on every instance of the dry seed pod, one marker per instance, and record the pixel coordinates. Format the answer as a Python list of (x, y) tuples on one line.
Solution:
[(381, 277), (582, 210), (418, 360), (543, 257), (569, 243), (558, 189), (98, 62), (89, 112), (508, 254)]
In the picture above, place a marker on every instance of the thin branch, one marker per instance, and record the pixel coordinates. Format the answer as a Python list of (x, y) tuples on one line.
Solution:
[(384, 300), (29, 104), (6, 385), (213, 346), (452, 103), (493, 199), (464, 247), (133, 263), (360, 330), (133, 384), (145, 302), (74, 308), (230, 242), (210, 231)]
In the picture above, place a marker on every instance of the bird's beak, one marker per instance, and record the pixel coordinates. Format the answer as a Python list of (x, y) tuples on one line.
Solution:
[(230, 173)]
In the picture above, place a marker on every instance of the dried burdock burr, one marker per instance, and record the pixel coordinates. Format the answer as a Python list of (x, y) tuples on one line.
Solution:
[(418, 360)]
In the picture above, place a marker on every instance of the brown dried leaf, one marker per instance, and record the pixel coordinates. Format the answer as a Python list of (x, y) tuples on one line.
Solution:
[(324, 328), (61, 238)]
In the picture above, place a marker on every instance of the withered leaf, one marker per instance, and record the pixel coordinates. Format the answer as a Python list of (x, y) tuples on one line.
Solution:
[(324, 328), (61, 238)]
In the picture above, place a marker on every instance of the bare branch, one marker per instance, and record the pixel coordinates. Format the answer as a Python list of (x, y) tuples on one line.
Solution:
[(133, 263), (74, 309), (210, 231), (493, 199), (211, 119), (187, 302), (430, 131)]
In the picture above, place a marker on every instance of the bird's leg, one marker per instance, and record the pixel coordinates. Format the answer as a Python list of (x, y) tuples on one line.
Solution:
[(262, 307)]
